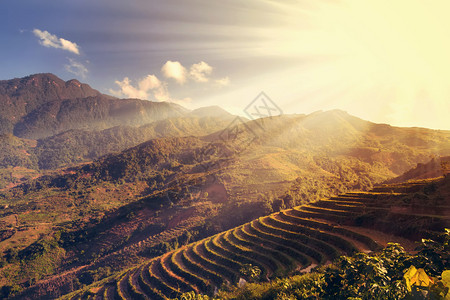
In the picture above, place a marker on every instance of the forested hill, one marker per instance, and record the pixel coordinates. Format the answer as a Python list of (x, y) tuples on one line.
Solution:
[(43, 105), (197, 184), (20, 96)]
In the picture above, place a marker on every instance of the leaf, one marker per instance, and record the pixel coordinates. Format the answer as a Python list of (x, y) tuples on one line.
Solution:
[(446, 281), (416, 277), (410, 273), (422, 279)]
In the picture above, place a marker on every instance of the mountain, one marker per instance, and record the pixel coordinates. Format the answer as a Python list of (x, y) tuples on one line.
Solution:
[(20, 96), (125, 207), (432, 169), (92, 113), (78, 145), (57, 123), (332, 146), (144, 178), (278, 244), (43, 105), (211, 111)]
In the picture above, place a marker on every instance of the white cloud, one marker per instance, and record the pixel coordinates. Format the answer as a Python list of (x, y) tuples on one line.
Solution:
[(52, 41), (76, 68), (174, 70), (149, 88), (152, 88), (223, 81), (200, 72)]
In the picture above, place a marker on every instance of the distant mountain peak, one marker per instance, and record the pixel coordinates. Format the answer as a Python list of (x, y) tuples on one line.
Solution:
[(42, 76), (73, 82), (210, 111)]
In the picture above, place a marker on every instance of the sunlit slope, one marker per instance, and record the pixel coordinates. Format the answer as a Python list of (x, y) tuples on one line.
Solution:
[(327, 146), (292, 239)]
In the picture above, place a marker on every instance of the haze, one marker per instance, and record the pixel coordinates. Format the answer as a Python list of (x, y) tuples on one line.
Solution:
[(384, 61)]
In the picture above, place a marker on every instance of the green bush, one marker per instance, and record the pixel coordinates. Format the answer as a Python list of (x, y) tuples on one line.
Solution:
[(389, 274)]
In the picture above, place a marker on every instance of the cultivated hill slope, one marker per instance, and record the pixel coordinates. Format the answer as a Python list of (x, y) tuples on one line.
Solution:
[(235, 175), (330, 146), (297, 238), (217, 181)]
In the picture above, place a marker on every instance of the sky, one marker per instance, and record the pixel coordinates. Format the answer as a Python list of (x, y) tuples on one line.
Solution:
[(386, 61)]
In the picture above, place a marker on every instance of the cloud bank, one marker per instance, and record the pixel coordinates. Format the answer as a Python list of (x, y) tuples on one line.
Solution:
[(47, 39)]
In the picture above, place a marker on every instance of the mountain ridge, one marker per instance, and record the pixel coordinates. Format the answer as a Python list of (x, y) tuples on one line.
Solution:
[(42, 105), (179, 178)]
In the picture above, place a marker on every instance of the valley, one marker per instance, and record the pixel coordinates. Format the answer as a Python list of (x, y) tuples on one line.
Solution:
[(103, 197)]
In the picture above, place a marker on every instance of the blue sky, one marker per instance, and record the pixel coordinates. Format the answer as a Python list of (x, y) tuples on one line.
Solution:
[(384, 61)]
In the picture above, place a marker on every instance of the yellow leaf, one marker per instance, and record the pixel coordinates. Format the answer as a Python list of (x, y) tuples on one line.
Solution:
[(446, 281), (446, 278), (416, 277), (422, 278), (409, 275)]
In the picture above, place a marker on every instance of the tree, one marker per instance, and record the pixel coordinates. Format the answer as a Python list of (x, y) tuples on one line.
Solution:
[(250, 272), (445, 165)]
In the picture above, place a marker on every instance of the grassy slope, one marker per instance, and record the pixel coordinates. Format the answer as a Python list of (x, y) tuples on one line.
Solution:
[(294, 152), (436, 192)]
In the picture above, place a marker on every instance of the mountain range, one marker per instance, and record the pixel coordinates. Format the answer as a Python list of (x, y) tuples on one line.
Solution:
[(91, 184)]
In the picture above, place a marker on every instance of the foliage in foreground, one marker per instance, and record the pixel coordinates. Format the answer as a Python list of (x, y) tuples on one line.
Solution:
[(389, 274)]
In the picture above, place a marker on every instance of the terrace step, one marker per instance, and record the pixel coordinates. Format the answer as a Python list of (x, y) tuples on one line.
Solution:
[(200, 254), (289, 215), (162, 282), (134, 288), (301, 258), (195, 267), (122, 287), (177, 265), (286, 262), (318, 255), (346, 243), (258, 252), (145, 283), (340, 245), (245, 254)]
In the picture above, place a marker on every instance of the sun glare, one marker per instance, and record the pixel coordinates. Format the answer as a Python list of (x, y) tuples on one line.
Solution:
[(392, 50)]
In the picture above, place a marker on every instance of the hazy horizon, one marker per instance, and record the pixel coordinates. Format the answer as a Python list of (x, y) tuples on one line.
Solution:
[(385, 62)]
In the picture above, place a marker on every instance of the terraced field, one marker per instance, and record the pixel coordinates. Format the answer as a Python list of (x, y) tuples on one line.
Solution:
[(293, 239)]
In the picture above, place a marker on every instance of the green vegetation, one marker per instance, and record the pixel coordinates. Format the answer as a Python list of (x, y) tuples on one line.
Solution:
[(288, 244), (184, 180), (388, 274)]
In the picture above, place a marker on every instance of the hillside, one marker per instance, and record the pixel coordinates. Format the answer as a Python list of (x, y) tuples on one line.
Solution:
[(20, 96), (104, 183), (43, 105), (293, 239), (94, 113), (75, 146), (137, 204), (333, 147), (432, 169), (46, 123), (79, 146)]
